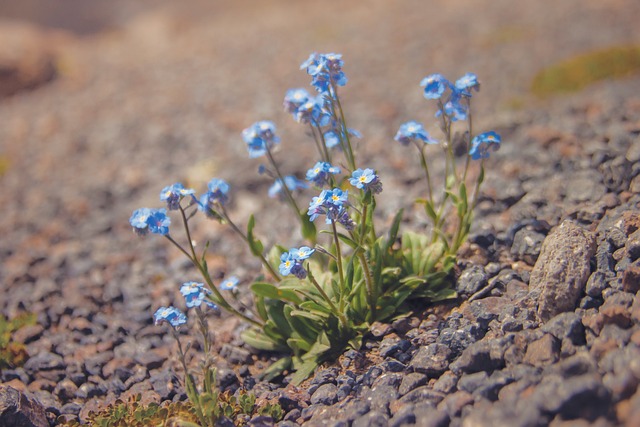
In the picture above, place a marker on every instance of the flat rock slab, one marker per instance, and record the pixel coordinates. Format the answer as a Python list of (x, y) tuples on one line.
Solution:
[(561, 272)]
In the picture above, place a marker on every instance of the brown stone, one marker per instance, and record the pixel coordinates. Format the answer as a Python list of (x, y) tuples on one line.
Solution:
[(542, 351), (631, 278)]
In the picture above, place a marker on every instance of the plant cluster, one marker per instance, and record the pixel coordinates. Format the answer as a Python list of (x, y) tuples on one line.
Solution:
[(132, 413), (318, 298), (13, 354)]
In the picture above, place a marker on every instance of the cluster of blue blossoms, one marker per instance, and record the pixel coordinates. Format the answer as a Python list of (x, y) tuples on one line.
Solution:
[(333, 204), (454, 103), (292, 262)]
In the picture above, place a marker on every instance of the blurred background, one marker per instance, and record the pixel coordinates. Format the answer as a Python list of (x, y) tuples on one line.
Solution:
[(104, 102)]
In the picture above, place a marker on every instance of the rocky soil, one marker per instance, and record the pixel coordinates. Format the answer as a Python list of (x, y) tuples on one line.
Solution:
[(547, 327)]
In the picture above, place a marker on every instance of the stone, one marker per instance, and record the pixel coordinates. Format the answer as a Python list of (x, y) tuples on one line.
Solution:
[(471, 382), (44, 361), (412, 381), (431, 360), (453, 403), (326, 394), (373, 419), (18, 409), (566, 325), (596, 284), (543, 351), (582, 396), (561, 272), (526, 245), (471, 280), (631, 277), (485, 355)]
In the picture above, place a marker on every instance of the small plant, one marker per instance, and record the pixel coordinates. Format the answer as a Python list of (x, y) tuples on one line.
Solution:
[(13, 354), (319, 297)]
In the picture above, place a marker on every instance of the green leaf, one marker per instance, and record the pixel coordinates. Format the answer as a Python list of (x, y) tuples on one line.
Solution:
[(314, 306), (276, 368), (431, 213), (393, 230), (319, 318), (304, 370), (255, 245), (268, 290), (308, 228), (276, 315), (261, 341), (305, 328)]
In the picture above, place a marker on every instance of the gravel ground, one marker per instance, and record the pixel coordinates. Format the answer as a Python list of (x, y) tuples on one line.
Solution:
[(547, 329)]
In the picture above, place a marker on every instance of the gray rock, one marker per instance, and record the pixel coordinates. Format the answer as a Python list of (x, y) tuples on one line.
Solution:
[(526, 245), (584, 396), (562, 270), (431, 360), (412, 381), (422, 394), (471, 382), (17, 409), (446, 383), (596, 284), (326, 394), (566, 325), (373, 419), (471, 280), (43, 362), (485, 355)]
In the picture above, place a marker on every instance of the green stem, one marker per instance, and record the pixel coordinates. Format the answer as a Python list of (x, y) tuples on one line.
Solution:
[(287, 192), (339, 262), (240, 233), (337, 312), (425, 166), (192, 391), (470, 128), (372, 293), (345, 132), (321, 143)]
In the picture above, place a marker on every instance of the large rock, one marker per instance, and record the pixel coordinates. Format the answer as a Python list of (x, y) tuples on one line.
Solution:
[(561, 272), (19, 410)]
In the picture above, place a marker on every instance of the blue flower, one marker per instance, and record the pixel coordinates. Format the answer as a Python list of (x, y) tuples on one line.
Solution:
[(171, 315), (291, 262), (302, 252), (195, 294), (217, 196), (218, 191), (434, 86), (413, 131), (139, 220), (466, 83), (290, 181), (159, 222), (229, 284), (173, 194), (482, 144), (324, 70), (455, 107), (320, 173), (366, 180), (331, 203), (294, 98), (331, 139), (260, 137), (312, 111)]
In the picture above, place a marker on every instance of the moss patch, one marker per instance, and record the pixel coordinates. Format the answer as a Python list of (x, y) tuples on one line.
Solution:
[(576, 73)]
